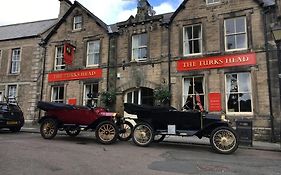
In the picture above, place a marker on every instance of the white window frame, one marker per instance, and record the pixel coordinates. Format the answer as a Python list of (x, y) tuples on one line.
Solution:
[(93, 54), (85, 97), (251, 94), (138, 91), (235, 34), (59, 57), (185, 93), (186, 40), (138, 47), (0, 57), (77, 22), (212, 2), (15, 61), (12, 93), (1, 96), (59, 89)]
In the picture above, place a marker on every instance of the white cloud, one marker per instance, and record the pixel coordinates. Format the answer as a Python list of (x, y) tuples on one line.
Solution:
[(18, 11), (164, 8), (109, 11)]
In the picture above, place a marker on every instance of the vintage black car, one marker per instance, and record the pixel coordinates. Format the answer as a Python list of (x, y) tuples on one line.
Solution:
[(163, 121), (11, 116)]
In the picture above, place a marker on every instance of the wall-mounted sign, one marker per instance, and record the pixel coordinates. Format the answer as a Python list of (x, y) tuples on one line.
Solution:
[(214, 102), (217, 62), (72, 101), (74, 75)]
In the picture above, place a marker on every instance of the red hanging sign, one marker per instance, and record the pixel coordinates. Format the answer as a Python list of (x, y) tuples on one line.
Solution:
[(68, 53)]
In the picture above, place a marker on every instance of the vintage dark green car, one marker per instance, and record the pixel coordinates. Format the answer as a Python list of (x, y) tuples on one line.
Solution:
[(164, 121)]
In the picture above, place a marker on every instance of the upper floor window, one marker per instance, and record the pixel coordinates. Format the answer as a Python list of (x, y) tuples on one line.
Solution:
[(57, 94), (235, 34), (59, 59), (77, 22), (238, 93), (93, 53), (15, 61), (192, 40), (212, 1), (139, 47)]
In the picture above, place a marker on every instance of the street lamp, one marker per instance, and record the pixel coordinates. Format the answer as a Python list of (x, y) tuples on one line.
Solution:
[(276, 32)]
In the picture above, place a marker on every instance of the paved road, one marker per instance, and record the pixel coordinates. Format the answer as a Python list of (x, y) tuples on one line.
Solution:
[(30, 154)]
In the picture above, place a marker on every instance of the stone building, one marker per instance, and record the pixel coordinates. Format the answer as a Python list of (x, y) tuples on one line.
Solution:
[(20, 62), (217, 51), (76, 56)]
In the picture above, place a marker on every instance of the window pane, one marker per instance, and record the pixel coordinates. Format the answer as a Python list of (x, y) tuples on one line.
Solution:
[(244, 82), (245, 102), (198, 85), (232, 103), (130, 97), (230, 27), (241, 41), (136, 97), (143, 39), (230, 41), (196, 32), (240, 25), (233, 83), (188, 33), (197, 48)]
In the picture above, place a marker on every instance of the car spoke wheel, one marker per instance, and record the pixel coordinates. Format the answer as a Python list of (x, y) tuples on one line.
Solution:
[(72, 132), (224, 140), (142, 134), (126, 131), (106, 132), (48, 129)]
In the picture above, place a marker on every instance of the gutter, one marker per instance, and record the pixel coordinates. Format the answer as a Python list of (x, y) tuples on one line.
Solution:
[(265, 11), (43, 45), (169, 59)]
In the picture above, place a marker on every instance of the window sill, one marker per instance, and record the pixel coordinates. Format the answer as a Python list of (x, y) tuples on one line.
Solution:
[(13, 74)]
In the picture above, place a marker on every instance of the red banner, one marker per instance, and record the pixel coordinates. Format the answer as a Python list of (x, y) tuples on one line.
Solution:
[(74, 75), (214, 102), (216, 62), (68, 53)]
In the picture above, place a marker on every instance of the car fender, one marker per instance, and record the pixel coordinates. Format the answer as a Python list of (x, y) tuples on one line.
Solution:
[(47, 117), (98, 121), (207, 130)]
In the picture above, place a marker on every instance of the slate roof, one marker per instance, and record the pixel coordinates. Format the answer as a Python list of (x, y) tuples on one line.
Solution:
[(33, 29), (25, 30)]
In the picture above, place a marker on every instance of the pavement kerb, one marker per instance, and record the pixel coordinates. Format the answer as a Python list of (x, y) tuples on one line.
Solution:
[(175, 139)]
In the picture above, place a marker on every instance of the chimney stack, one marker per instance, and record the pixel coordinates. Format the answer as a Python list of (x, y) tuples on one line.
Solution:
[(64, 6)]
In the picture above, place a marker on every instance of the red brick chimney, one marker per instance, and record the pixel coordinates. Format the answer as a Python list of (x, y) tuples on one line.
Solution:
[(64, 6)]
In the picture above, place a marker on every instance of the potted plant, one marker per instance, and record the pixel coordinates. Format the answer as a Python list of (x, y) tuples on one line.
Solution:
[(162, 95), (108, 98)]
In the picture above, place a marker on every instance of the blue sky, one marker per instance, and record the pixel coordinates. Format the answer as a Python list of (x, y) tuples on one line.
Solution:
[(110, 11)]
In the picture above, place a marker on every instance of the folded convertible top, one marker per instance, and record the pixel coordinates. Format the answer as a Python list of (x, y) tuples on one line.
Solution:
[(140, 109), (54, 106)]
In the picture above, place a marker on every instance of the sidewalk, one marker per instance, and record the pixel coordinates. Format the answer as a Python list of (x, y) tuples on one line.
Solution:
[(258, 145)]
